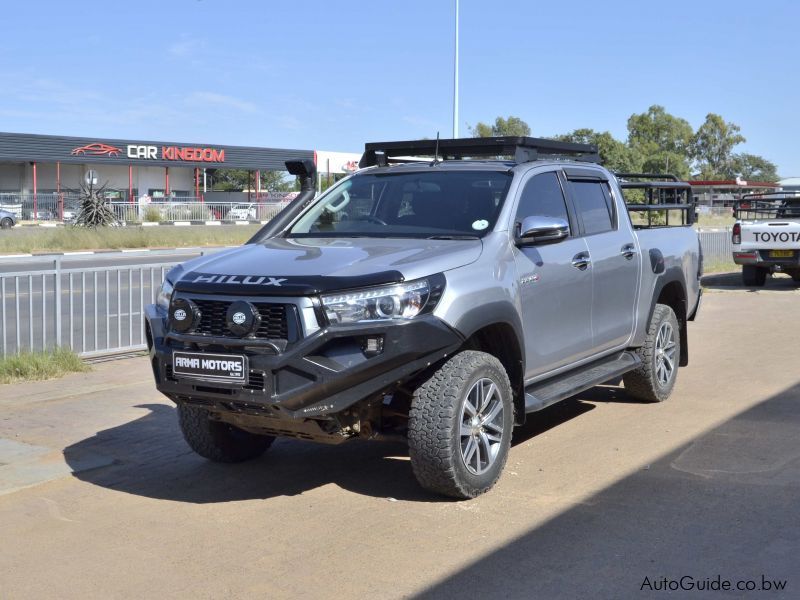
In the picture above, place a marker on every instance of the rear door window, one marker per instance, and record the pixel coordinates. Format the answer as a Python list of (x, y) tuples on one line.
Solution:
[(594, 205)]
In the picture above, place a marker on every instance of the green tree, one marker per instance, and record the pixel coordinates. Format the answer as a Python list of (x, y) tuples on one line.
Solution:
[(236, 180), (662, 140), (712, 147), (614, 154), (276, 181), (512, 126), (751, 167)]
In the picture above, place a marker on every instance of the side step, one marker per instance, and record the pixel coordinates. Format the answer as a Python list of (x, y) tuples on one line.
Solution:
[(545, 393)]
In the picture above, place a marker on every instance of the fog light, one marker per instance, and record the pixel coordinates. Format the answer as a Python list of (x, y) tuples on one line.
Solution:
[(373, 346)]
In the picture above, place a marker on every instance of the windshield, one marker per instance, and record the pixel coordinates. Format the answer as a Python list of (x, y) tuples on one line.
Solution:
[(425, 204)]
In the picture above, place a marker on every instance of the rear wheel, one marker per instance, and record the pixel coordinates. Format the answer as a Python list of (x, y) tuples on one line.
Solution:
[(654, 379), (219, 441), (795, 276), (459, 428), (754, 276), (6, 223)]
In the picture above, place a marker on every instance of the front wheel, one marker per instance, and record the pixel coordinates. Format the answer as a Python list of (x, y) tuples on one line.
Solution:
[(654, 379), (460, 424), (219, 441), (6, 223)]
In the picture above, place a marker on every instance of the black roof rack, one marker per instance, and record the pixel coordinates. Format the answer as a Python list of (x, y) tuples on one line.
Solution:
[(523, 149)]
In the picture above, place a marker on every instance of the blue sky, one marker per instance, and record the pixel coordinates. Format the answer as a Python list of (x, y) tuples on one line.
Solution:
[(338, 74)]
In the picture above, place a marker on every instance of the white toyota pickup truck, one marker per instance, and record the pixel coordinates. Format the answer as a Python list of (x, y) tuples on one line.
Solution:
[(766, 236)]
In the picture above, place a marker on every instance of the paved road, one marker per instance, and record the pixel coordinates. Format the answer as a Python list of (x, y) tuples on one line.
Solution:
[(103, 498)]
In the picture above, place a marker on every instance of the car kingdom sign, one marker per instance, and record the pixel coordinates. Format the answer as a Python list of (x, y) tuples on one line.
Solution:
[(149, 152)]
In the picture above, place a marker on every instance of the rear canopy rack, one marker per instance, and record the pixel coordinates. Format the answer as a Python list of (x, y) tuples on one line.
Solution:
[(659, 195), (522, 149), (767, 205)]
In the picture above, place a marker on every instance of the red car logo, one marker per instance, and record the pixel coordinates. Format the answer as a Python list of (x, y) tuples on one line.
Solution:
[(96, 149)]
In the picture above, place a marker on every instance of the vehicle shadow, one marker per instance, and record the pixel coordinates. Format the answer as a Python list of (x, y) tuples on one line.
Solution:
[(722, 504), (151, 459), (733, 281)]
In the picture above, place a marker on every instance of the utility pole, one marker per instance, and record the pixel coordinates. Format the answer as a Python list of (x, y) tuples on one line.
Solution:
[(455, 82)]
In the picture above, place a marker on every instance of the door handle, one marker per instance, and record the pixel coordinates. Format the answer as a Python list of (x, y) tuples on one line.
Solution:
[(581, 261), (628, 251)]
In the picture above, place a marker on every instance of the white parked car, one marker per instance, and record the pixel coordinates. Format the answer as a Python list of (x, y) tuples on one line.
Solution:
[(242, 212), (766, 236)]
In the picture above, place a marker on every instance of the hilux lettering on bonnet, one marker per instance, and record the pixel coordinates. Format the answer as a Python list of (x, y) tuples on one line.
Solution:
[(240, 279)]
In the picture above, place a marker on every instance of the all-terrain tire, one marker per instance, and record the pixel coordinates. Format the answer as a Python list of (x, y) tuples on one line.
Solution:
[(753, 276), (6, 223), (219, 441), (645, 383), (435, 426)]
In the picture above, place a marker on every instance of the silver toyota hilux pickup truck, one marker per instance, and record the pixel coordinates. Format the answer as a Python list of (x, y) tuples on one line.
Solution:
[(441, 294)]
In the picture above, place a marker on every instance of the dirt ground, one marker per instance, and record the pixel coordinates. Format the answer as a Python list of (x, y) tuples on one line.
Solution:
[(100, 496)]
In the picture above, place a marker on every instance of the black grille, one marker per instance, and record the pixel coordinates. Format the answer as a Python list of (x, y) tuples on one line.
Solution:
[(274, 323), (255, 381)]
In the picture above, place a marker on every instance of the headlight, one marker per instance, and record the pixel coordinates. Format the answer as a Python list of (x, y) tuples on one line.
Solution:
[(164, 296), (399, 301)]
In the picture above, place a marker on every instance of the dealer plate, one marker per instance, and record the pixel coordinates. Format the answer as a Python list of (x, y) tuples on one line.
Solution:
[(210, 367), (781, 253)]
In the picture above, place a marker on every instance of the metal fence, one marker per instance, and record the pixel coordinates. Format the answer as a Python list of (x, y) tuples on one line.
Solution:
[(193, 210), (93, 311), (64, 207), (39, 207), (717, 245)]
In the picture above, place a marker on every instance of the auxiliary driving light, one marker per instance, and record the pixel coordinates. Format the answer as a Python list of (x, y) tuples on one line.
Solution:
[(373, 346)]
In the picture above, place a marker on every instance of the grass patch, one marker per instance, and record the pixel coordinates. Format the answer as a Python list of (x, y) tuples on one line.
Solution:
[(32, 366), (715, 221), (719, 266), (35, 239)]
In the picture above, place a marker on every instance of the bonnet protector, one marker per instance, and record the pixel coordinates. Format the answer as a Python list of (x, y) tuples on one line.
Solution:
[(279, 285)]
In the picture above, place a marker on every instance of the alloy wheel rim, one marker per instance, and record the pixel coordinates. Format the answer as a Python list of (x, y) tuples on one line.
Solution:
[(481, 426), (666, 348)]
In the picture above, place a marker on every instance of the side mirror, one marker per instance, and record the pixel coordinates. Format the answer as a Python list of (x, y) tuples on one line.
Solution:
[(542, 230)]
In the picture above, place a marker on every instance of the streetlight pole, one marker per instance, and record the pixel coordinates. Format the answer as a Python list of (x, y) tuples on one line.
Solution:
[(455, 82)]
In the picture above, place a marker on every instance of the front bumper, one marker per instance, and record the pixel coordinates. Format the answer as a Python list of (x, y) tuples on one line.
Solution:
[(322, 374)]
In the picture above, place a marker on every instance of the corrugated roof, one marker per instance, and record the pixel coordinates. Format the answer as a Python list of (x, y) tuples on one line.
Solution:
[(24, 147)]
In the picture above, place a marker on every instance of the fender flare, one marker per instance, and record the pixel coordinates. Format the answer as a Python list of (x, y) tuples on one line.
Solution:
[(499, 312), (670, 276)]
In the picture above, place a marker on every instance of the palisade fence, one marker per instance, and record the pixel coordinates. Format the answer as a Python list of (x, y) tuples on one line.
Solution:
[(717, 245), (98, 311), (64, 208), (93, 311)]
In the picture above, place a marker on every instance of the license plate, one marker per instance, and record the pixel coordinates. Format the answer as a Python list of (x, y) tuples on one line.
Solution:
[(781, 253), (210, 367)]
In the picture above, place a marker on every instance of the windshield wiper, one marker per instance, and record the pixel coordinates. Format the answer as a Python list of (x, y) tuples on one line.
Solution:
[(462, 236)]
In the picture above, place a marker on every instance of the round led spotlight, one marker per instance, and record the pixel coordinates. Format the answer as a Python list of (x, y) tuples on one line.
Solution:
[(242, 318), (183, 315)]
